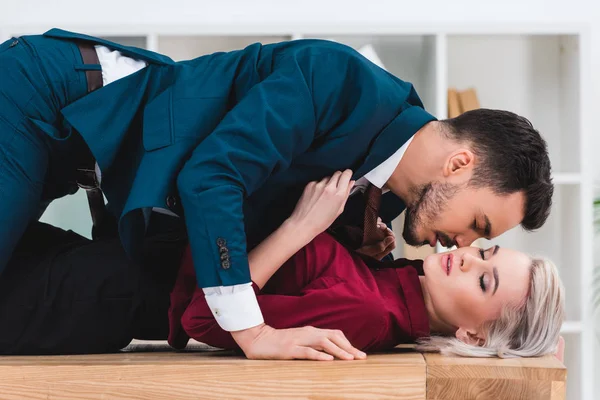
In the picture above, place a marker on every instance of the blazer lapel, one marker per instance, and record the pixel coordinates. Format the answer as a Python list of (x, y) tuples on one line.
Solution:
[(393, 136)]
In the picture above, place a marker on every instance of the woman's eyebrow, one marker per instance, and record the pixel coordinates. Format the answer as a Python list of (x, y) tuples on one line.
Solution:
[(495, 271), (496, 280)]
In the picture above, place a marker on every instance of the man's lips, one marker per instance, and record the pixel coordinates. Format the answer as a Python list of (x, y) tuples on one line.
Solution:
[(445, 241), (433, 241)]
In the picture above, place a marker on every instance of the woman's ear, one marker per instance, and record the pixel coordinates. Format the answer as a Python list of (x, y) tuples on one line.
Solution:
[(459, 162), (469, 337)]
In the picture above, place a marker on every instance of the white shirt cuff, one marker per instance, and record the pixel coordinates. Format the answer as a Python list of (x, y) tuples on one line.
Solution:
[(234, 307)]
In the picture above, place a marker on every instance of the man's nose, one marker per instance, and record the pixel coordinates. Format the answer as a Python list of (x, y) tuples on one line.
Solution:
[(465, 240)]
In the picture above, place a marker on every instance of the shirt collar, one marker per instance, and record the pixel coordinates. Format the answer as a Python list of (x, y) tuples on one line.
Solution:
[(415, 303), (379, 175)]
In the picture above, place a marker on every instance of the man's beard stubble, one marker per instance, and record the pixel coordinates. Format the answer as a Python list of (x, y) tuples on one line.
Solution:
[(431, 201)]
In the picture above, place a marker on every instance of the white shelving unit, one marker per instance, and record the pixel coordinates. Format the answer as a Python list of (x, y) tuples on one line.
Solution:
[(537, 70)]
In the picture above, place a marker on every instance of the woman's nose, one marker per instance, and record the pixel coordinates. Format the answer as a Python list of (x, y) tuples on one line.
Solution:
[(466, 262)]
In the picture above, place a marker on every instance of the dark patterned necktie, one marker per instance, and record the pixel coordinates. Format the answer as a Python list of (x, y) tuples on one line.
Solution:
[(356, 235), (371, 233)]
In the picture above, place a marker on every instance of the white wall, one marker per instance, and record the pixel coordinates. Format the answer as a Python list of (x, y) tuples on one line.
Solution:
[(195, 11)]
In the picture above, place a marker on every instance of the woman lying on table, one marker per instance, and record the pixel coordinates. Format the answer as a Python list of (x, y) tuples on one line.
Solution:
[(470, 301)]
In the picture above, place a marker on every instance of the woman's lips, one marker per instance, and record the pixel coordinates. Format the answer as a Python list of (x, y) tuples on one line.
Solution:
[(447, 267)]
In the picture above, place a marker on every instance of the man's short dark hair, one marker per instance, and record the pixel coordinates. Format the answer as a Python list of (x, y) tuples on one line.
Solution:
[(513, 157)]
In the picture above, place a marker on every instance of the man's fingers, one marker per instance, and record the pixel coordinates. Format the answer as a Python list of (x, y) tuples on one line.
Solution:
[(331, 348), (338, 338), (307, 353)]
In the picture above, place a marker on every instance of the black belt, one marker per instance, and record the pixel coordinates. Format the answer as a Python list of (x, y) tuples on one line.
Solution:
[(104, 224)]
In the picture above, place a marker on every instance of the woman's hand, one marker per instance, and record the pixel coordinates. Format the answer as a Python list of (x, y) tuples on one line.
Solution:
[(322, 202), (382, 248)]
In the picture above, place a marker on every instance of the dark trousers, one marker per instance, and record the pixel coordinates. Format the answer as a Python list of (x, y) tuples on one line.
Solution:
[(64, 294)]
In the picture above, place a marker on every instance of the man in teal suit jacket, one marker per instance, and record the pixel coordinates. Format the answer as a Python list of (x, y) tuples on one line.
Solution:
[(228, 141)]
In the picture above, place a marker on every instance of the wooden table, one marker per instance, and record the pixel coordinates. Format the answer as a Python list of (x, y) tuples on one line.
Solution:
[(479, 378), (402, 374)]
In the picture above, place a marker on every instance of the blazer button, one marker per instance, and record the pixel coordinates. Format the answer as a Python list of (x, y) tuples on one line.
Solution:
[(225, 264), (221, 242), (224, 256), (223, 250), (171, 202)]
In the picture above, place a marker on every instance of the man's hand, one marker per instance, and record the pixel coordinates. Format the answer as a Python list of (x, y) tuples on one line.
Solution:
[(383, 247), (266, 343)]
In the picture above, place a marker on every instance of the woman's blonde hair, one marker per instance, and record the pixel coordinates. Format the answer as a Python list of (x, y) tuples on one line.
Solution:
[(531, 330)]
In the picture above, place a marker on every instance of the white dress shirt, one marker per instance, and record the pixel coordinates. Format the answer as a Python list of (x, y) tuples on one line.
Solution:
[(379, 175), (234, 307)]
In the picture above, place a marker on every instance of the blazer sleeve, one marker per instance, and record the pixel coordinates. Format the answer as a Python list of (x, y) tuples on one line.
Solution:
[(328, 305), (258, 137)]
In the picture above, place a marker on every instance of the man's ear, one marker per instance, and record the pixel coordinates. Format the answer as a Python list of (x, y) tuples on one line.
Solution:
[(459, 162), (469, 337)]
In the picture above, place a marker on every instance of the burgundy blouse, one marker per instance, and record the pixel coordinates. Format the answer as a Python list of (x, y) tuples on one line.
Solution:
[(324, 285)]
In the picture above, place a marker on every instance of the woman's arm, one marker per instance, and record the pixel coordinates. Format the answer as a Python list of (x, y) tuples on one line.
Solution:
[(338, 307), (321, 203), (276, 249)]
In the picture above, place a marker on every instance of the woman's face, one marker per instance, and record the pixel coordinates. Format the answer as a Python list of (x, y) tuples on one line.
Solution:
[(470, 286)]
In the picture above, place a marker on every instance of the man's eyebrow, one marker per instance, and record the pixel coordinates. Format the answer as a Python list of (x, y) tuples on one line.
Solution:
[(487, 230), (496, 281)]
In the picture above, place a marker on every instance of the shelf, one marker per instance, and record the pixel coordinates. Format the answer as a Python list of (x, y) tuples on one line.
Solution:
[(536, 76), (566, 179), (571, 327), (411, 58), (185, 47), (134, 41)]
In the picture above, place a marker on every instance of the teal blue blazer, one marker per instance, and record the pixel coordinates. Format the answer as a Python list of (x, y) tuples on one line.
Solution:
[(229, 140)]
